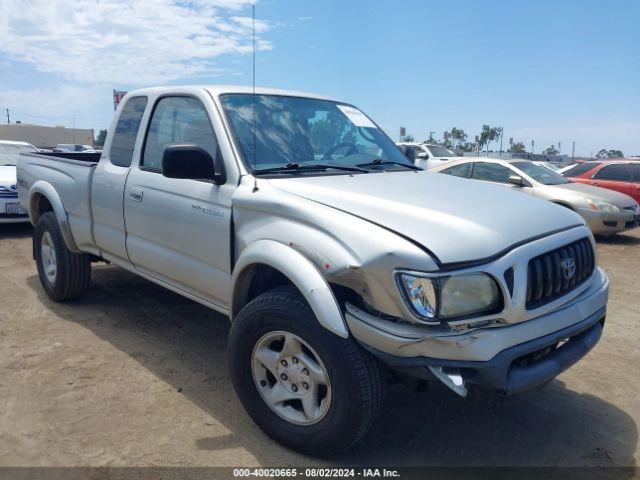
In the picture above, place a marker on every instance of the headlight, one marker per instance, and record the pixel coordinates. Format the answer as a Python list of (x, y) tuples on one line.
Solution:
[(602, 206), (421, 294), (449, 297)]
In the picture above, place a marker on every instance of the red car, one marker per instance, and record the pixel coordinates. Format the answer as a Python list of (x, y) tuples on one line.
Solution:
[(620, 175)]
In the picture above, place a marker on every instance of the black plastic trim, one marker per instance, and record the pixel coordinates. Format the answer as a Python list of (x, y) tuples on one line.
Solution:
[(500, 375)]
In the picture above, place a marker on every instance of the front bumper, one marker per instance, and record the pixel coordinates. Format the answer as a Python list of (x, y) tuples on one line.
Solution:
[(603, 223), (502, 359)]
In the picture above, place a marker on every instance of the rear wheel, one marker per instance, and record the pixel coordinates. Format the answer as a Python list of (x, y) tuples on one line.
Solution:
[(64, 275), (305, 387)]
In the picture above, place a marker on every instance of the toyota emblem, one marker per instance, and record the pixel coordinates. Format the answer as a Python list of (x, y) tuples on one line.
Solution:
[(568, 266)]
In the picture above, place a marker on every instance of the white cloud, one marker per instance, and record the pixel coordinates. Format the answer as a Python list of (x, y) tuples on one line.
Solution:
[(59, 105), (121, 42), (304, 19)]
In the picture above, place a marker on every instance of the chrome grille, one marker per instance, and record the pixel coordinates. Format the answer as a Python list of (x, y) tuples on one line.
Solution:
[(555, 273)]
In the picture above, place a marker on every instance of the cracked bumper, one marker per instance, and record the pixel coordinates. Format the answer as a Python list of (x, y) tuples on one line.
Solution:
[(506, 360)]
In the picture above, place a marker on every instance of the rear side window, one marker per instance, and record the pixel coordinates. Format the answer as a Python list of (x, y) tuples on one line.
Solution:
[(177, 120), (617, 172), (579, 169), (491, 172), (459, 170), (124, 138), (636, 172)]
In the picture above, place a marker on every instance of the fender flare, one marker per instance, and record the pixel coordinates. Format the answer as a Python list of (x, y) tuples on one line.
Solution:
[(45, 189), (302, 273)]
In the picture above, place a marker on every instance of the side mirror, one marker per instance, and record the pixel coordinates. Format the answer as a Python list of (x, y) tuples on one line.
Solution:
[(516, 180), (190, 161), (423, 155), (410, 153)]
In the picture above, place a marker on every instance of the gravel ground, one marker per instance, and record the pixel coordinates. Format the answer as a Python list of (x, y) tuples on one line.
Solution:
[(134, 375)]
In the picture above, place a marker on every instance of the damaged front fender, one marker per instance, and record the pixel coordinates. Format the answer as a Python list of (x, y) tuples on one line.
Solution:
[(302, 273)]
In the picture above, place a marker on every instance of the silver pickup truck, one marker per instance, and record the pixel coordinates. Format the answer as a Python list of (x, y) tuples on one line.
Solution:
[(340, 264)]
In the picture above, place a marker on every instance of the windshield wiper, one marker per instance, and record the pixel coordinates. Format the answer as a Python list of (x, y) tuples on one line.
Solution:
[(297, 167), (380, 161)]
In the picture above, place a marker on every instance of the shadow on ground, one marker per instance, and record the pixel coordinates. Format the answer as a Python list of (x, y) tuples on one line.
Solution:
[(619, 239), (184, 344), (15, 230)]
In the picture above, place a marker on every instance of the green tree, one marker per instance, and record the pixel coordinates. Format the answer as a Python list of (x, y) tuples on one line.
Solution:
[(455, 138), (604, 153), (517, 147), (551, 151), (488, 135), (102, 136)]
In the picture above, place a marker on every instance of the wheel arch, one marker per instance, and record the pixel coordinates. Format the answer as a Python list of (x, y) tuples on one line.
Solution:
[(44, 198), (267, 263)]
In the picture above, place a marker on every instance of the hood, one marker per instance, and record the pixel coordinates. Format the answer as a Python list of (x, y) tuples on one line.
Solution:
[(458, 220), (7, 176), (589, 191)]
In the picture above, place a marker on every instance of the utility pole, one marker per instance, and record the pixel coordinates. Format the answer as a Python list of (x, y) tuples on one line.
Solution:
[(573, 152), (8, 118), (559, 148), (532, 146), (501, 135)]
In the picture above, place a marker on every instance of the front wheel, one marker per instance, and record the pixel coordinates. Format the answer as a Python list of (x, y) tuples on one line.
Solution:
[(305, 387), (64, 275)]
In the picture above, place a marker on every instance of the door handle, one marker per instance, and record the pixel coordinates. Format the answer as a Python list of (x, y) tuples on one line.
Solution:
[(135, 194)]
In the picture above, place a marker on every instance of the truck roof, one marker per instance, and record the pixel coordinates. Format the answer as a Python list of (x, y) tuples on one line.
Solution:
[(216, 90)]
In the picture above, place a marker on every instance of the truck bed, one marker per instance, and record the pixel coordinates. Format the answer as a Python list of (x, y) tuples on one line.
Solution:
[(70, 174), (88, 157)]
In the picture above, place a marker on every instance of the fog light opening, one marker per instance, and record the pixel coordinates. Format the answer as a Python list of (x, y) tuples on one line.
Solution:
[(451, 379)]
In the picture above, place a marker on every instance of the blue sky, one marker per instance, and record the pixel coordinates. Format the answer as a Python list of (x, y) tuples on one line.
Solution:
[(546, 70)]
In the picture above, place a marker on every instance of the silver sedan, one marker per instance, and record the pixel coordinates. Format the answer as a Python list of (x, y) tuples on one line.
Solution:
[(605, 211)]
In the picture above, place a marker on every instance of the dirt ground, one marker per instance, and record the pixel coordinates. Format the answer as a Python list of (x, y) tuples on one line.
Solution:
[(134, 375)]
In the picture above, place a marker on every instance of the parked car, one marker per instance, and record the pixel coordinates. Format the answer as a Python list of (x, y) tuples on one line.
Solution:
[(548, 165), (620, 175), (429, 155), (74, 147), (337, 260), (561, 170), (10, 210), (606, 212)]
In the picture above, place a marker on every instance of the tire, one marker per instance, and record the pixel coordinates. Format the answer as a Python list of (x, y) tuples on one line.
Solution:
[(356, 382), (71, 271)]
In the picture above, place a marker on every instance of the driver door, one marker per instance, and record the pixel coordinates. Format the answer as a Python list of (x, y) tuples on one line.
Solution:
[(178, 230)]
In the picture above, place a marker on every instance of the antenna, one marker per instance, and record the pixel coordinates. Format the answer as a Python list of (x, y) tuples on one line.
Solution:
[(253, 89)]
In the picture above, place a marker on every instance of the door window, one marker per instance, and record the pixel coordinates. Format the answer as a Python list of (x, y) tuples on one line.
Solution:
[(462, 170), (636, 172), (177, 120), (124, 137), (491, 172), (617, 172)]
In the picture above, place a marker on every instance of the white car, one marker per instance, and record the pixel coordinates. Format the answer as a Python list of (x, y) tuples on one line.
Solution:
[(10, 211), (548, 165), (429, 155), (75, 147)]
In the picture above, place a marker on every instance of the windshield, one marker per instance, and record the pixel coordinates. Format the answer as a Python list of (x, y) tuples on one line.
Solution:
[(9, 153), (305, 131), (540, 174), (438, 151)]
